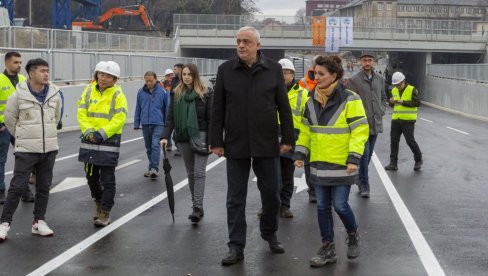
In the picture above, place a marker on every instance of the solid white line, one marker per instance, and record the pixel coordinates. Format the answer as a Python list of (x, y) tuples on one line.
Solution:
[(119, 167), (429, 261), (458, 130), (80, 247), (426, 120), (76, 154)]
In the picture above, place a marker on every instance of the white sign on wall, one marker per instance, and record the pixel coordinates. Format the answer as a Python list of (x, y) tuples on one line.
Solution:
[(332, 34)]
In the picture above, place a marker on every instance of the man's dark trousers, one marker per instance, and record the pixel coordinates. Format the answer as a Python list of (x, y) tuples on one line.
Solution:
[(287, 180), (25, 162), (397, 128), (267, 172)]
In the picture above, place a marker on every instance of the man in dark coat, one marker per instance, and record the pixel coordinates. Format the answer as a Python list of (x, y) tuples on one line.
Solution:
[(249, 92)]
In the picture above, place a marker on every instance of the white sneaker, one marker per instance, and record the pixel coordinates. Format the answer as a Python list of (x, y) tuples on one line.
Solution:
[(41, 228), (153, 172), (4, 227)]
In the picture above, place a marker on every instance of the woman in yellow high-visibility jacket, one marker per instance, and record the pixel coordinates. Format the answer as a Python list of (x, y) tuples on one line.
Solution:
[(333, 132)]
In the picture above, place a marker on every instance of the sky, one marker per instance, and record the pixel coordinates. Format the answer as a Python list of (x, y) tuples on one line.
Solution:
[(280, 7)]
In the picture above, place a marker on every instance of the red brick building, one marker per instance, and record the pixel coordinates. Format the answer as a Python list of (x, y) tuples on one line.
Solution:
[(318, 7)]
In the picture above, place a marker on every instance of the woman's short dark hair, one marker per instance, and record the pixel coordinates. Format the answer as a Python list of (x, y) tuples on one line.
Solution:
[(332, 63)]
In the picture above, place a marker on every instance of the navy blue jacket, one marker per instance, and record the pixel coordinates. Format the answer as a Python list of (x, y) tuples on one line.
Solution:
[(151, 108)]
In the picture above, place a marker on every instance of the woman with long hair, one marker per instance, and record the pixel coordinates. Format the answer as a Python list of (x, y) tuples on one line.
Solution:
[(189, 116)]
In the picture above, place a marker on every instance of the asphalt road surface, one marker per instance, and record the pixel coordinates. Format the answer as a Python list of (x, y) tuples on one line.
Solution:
[(431, 222)]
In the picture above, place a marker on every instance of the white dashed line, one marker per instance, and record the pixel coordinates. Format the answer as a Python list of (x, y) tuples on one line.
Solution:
[(80, 247), (427, 257), (423, 119), (460, 131)]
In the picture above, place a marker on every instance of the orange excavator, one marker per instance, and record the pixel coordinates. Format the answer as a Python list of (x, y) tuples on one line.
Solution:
[(119, 18)]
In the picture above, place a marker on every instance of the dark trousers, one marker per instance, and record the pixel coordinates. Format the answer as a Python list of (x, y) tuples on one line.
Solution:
[(101, 180), (266, 170), (311, 188), (408, 131), (287, 180), (25, 162)]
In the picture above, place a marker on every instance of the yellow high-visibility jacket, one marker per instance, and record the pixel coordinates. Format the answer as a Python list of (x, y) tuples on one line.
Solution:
[(6, 89), (402, 112), (106, 113), (333, 136)]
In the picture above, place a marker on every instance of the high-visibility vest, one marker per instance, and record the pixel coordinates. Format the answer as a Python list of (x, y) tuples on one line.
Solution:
[(106, 113), (7, 88), (297, 97), (401, 112), (331, 144)]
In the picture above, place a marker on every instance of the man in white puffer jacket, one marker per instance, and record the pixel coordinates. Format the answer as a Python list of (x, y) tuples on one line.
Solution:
[(31, 116)]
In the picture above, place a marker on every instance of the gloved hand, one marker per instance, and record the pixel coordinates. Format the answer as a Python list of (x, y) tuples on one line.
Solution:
[(96, 138)]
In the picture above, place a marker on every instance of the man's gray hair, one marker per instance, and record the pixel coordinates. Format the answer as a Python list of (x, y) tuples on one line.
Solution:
[(256, 34)]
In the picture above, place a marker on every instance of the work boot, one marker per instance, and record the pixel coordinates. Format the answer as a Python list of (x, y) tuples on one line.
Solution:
[(392, 166), (286, 213), (352, 242), (274, 245), (27, 196), (98, 209), (365, 191), (196, 215), (103, 219), (418, 165), (360, 188), (326, 254), (233, 256), (2, 197), (40, 228)]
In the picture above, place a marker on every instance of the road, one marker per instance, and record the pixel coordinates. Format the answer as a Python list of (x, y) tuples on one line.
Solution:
[(444, 210)]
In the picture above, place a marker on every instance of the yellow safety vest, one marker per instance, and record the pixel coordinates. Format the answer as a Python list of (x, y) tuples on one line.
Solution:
[(106, 113), (7, 88), (401, 112), (331, 145), (297, 97)]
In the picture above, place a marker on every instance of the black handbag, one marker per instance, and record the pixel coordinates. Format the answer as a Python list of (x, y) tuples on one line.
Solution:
[(199, 144)]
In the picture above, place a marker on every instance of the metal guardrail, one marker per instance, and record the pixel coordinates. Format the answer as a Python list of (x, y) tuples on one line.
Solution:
[(364, 28), (70, 67), (39, 38), (467, 72)]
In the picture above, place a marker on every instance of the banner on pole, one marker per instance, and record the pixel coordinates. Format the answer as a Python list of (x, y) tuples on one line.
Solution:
[(346, 31), (318, 30), (332, 34)]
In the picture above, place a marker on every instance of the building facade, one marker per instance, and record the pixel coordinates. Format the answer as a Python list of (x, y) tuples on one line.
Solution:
[(319, 7)]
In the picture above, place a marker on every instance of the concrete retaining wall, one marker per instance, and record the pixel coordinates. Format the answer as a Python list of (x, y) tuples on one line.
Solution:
[(466, 97)]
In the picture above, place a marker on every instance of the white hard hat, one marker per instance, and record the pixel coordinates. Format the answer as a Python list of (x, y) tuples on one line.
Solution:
[(286, 64), (99, 65), (168, 71), (111, 68), (397, 78)]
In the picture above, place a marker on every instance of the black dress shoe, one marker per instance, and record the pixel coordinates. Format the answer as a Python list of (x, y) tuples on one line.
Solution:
[(274, 245), (232, 257)]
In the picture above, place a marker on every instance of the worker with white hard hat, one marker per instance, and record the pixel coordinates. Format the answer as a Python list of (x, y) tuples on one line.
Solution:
[(405, 101), (168, 79), (297, 97), (102, 111)]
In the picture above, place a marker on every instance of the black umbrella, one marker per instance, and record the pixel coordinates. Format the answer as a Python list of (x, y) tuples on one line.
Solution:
[(169, 184)]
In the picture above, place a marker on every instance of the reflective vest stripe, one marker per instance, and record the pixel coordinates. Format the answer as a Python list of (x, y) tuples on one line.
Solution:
[(3, 102), (313, 115), (99, 147), (331, 173), (297, 111), (302, 149)]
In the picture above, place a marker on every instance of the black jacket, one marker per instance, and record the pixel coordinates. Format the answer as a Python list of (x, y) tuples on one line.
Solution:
[(203, 107), (244, 119)]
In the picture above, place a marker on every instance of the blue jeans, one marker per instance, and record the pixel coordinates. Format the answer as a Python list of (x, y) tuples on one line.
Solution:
[(152, 135), (337, 196), (365, 159), (5, 140)]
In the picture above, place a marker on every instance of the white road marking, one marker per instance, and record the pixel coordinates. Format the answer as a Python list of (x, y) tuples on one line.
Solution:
[(76, 154), (427, 257), (460, 131), (80, 247), (299, 182), (74, 182), (423, 119)]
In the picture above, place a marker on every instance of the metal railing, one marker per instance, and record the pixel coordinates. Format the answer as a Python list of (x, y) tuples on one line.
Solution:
[(39, 38), (466, 72), (68, 67), (364, 28)]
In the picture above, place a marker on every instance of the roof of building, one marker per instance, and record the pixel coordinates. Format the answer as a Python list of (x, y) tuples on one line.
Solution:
[(476, 3), (352, 4)]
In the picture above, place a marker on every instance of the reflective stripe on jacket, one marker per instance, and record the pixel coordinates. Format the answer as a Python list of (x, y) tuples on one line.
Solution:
[(401, 112), (333, 136), (106, 113), (6, 89)]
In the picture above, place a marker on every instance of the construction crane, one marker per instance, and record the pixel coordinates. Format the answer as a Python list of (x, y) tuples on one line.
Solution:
[(62, 16), (110, 19)]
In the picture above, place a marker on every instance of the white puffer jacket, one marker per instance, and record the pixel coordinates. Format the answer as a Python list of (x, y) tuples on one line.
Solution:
[(31, 123)]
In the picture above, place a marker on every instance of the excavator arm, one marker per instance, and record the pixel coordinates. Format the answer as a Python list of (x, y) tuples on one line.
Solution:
[(140, 12)]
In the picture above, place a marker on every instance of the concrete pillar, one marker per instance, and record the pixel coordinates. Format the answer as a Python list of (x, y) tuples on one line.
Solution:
[(428, 60), (485, 60)]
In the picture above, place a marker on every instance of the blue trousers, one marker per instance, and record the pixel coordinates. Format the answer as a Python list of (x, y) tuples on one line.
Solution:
[(152, 135), (365, 160)]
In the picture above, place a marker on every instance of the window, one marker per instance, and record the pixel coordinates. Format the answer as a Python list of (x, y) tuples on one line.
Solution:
[(388, 6), (380, 6), (320, 5)]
